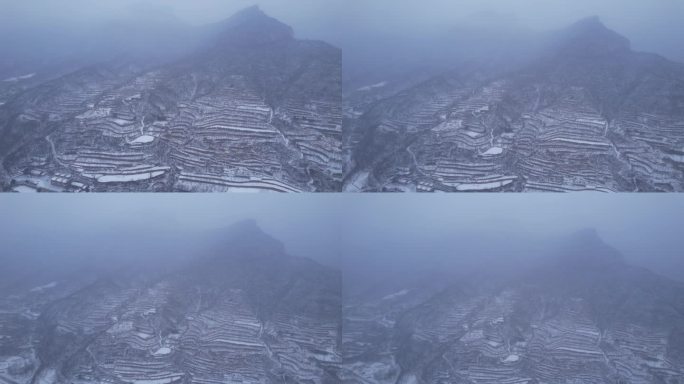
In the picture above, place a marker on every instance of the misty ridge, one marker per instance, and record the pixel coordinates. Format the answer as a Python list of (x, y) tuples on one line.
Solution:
[(457, 253), (493, 106), (495, 40), (341, 96), (331, 96), (240, 104), (149, 302), (230, 307), (48, 40)]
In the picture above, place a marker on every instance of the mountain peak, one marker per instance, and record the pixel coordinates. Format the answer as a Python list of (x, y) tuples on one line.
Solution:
[(250, 12), (591, 22), (251, 26), (590, 37), (248, 235), (244, 227), (586, 249), (588, 235)]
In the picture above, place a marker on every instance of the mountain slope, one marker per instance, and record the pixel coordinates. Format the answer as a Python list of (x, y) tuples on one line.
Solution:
[(254, 109), (584, 316), (243, 312), (585, 112)]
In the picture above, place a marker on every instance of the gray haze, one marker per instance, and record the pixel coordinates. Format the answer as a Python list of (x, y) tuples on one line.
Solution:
[(349, 229), (309, 17), (652, 25), (379, 38), (501, 230)]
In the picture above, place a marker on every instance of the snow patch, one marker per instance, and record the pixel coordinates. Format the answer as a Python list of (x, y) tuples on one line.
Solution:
[(121, 122), (396, 294), (13, 361), (95, 113), (238, 342), (511, 359), (473, 135), (44, 287), (483, 186), (677, 158), (372, 87), (47, 377), (493, 151), (124, 326), (358, 182), (578, 350), (129, 178), (409, 379), (19, 78), (583, 142), (137, 96), (162, 351), (24, 189), (143, 139), (144, 335), (165, 380)]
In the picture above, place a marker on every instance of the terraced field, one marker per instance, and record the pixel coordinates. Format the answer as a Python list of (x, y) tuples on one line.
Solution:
[(235, 116), (575, 118), (599, 321), (215, 320)]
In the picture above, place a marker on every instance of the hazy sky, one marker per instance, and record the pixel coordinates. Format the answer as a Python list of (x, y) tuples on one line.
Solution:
[(306, 14), (646, 228), (535, 13), (651, 24)]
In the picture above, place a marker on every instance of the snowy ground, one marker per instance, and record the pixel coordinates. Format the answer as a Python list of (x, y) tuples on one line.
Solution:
[(584, 142), (129, 178), (493, 151), (144, 139), (44, 287), (372, 87), (483, 186), (359, 180), (19, 78), (42, 182), (511, 359), (403, 292), (24, 189), (162, 351)]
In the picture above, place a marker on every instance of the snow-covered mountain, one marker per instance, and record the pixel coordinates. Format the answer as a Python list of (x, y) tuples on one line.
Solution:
[(248, 107)]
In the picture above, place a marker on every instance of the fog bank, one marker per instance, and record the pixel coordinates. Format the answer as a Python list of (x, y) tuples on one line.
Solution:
[(342, 230)]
